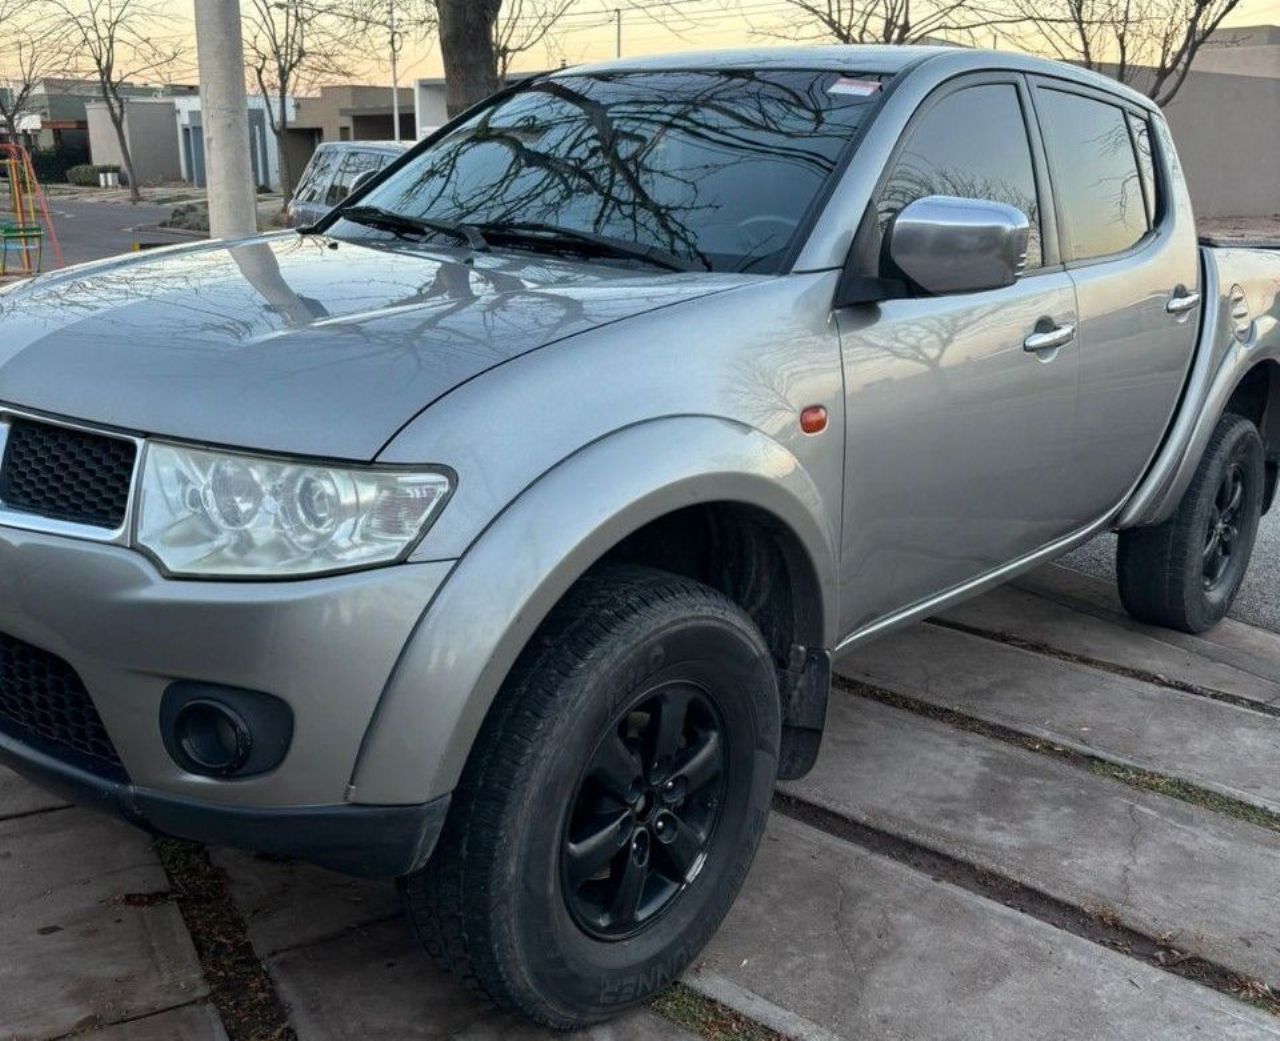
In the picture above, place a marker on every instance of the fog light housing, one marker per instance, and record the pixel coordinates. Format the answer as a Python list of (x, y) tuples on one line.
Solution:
[(225, 732), (212, 738)]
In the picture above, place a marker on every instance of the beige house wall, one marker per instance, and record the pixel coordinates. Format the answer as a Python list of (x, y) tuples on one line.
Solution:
[(347, 112), (1227, 129), (151, 128), (1249, 51)]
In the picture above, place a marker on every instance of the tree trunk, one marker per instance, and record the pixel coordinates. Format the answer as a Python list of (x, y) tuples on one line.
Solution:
[(281, 129), (116, 110), (466, 44)]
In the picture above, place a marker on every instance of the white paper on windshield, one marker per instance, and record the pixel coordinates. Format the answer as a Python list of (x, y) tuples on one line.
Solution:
[(858, 88)]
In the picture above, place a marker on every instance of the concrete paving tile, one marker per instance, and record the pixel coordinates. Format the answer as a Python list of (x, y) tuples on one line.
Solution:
[(198, 1022), (376, 984), (863, 947), (90, 944), (1216, 745), (288, 903), (1012, 611), (1246, 647), (18, 796), (1163, 865)]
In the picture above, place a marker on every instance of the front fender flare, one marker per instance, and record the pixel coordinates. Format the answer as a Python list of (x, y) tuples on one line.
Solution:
[(500, 591)]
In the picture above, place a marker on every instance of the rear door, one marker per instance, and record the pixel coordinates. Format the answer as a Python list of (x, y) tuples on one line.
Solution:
[(960, 438), (1128, 239)]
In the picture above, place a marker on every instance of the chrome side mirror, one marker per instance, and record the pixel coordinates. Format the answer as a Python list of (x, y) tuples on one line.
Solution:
[(942, 244)]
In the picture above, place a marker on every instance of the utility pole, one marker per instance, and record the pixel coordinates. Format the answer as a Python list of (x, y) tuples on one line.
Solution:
[(224, 111), (395, 73), (617, 16)]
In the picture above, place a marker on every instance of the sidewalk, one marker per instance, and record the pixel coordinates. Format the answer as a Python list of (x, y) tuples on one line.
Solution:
[(1032, 818)]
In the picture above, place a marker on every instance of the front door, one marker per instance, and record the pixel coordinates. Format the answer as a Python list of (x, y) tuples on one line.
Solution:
[(960, 438), (1130, 245)]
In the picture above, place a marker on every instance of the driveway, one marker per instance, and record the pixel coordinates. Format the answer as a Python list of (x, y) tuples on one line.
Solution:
[(1032, 818)]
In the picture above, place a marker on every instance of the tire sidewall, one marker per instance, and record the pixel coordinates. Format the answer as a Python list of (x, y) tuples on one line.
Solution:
[(1241, 444), (561, 963)]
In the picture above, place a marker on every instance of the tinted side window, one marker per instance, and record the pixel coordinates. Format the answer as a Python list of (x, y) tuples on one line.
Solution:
[(1147, 164), (971, 144), (356, 164), (1096, 179), (315, 178)]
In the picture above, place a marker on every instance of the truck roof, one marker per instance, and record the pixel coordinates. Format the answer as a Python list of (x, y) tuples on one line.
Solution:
[(860, 58)]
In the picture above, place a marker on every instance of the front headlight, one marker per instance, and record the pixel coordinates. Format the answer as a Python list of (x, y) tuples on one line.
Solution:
[(218, 514)]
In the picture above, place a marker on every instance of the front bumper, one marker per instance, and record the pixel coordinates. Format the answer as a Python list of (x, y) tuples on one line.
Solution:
[(371, 841), (325, 646)]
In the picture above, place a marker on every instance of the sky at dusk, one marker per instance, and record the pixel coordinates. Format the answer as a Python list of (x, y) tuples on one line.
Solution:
[(589, 32)]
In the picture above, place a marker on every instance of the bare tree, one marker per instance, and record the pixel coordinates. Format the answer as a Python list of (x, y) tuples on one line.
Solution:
[(886, 21), (1149, 45), (293, 45), (31, 49), (117, 40), (523, 25)]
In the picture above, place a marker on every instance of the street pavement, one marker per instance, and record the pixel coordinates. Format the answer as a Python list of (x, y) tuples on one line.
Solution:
[(89, 230), (1032, 818)]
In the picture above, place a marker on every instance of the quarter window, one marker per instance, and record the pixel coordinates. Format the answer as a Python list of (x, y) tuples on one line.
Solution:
[(1096, 180), (971, 144)]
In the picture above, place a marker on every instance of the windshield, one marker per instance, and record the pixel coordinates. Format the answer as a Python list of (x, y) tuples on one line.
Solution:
[(718, 168)]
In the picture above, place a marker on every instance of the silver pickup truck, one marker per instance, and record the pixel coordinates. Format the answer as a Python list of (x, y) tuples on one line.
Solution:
[(497, 533)]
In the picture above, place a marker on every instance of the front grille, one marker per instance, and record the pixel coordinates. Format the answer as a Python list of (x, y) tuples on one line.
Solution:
[(43, 703), (67, 475)]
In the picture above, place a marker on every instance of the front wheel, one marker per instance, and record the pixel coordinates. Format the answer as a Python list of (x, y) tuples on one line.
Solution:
[(1185, 573), (613, 802)]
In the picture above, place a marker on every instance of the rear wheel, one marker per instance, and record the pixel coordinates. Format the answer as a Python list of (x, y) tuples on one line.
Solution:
[(1185, 573), (612, 805)]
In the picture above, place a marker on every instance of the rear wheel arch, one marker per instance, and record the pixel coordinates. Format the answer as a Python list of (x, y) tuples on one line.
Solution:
[(1257, 398)]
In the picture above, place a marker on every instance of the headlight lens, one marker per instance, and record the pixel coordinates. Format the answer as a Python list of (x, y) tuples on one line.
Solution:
[(210, 514)]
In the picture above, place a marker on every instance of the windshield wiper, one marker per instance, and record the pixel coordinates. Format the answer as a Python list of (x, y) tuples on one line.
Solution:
[(552, 236), (402, 224)]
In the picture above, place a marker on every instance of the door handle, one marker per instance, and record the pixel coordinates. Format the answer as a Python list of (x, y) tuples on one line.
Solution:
[(1181, 303), (1049, 339)]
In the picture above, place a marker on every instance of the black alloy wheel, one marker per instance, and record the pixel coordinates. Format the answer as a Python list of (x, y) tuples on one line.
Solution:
[(1223, 532), (645, 812)]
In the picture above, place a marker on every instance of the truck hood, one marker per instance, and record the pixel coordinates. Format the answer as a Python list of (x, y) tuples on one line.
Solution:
[(304, 345)]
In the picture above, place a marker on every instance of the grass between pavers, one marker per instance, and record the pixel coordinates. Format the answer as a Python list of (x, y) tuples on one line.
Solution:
[(1148, 781), (242, 989), (1158, 951), (704, 1016)]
